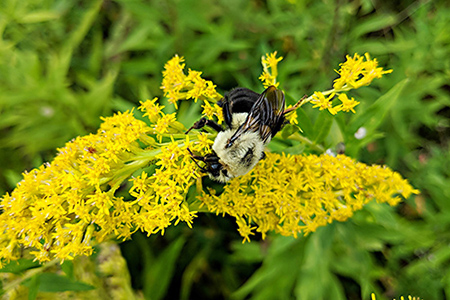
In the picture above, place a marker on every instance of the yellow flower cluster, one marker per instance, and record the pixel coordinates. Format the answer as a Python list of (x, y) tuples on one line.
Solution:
[(211, 111), (177, 85), (294, 195), (373, 297), (319, 100), (269, 77), (53, 206), (270, 70), (63, 208), (355, 72), (162, 124), (292, 116)]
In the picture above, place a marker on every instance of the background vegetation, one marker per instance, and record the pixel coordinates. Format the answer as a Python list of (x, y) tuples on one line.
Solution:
[(63, 64)]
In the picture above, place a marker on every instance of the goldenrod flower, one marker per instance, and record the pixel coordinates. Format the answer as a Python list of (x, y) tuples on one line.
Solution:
[(355, 72), (211, 111), (271, 60), (373, 297), (178, 86), (63, 208), (200, 87), (173, 79), (319, 100), (347, 104), (162, 125), (295, 194), (292, 116), (151, 109), (270, 71)]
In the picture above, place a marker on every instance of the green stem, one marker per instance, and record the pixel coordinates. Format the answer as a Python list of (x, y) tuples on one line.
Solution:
[(140, 160), (305, 140), (143, 157)]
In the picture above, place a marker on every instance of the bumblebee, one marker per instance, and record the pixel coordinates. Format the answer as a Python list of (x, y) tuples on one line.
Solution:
[(252, 120)]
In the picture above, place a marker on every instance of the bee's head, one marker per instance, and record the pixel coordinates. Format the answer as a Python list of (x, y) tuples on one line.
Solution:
[(213, 167), (212, 164)]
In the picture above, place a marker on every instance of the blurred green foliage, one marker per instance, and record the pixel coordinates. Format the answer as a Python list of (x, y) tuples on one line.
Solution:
[(65, 63)]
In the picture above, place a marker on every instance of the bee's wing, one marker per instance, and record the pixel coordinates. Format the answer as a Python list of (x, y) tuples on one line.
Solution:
[(266, 115)]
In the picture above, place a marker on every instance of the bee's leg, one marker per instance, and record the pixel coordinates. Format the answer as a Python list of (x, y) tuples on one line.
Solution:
[(263, 156), (227, 113), (296, 105), (202, 122), (207, 158), (195, 158)]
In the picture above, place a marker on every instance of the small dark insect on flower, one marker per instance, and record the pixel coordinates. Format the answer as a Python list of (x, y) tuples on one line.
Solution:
[(252, 120), (91, 150)]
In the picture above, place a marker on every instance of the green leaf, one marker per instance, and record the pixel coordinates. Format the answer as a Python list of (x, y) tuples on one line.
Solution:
[(248, 252), (134, 40), (305, 123), (372, 118), (270, 281), (314, 270), (158, 275), (78, 33), (50, 282), (19, 266), (322, 126), (288, 130), (67, 268), (375, 23), (335, 135), (375, 114), (95, 102), (33, 287), (39, 16), (195, 268), (295, 150), (12, 177)]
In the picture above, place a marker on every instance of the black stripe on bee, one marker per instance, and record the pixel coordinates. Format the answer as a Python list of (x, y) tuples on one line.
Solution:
[(247, 159)]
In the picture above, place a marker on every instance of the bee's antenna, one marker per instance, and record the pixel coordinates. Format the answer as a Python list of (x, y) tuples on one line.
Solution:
[(195, 158)]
